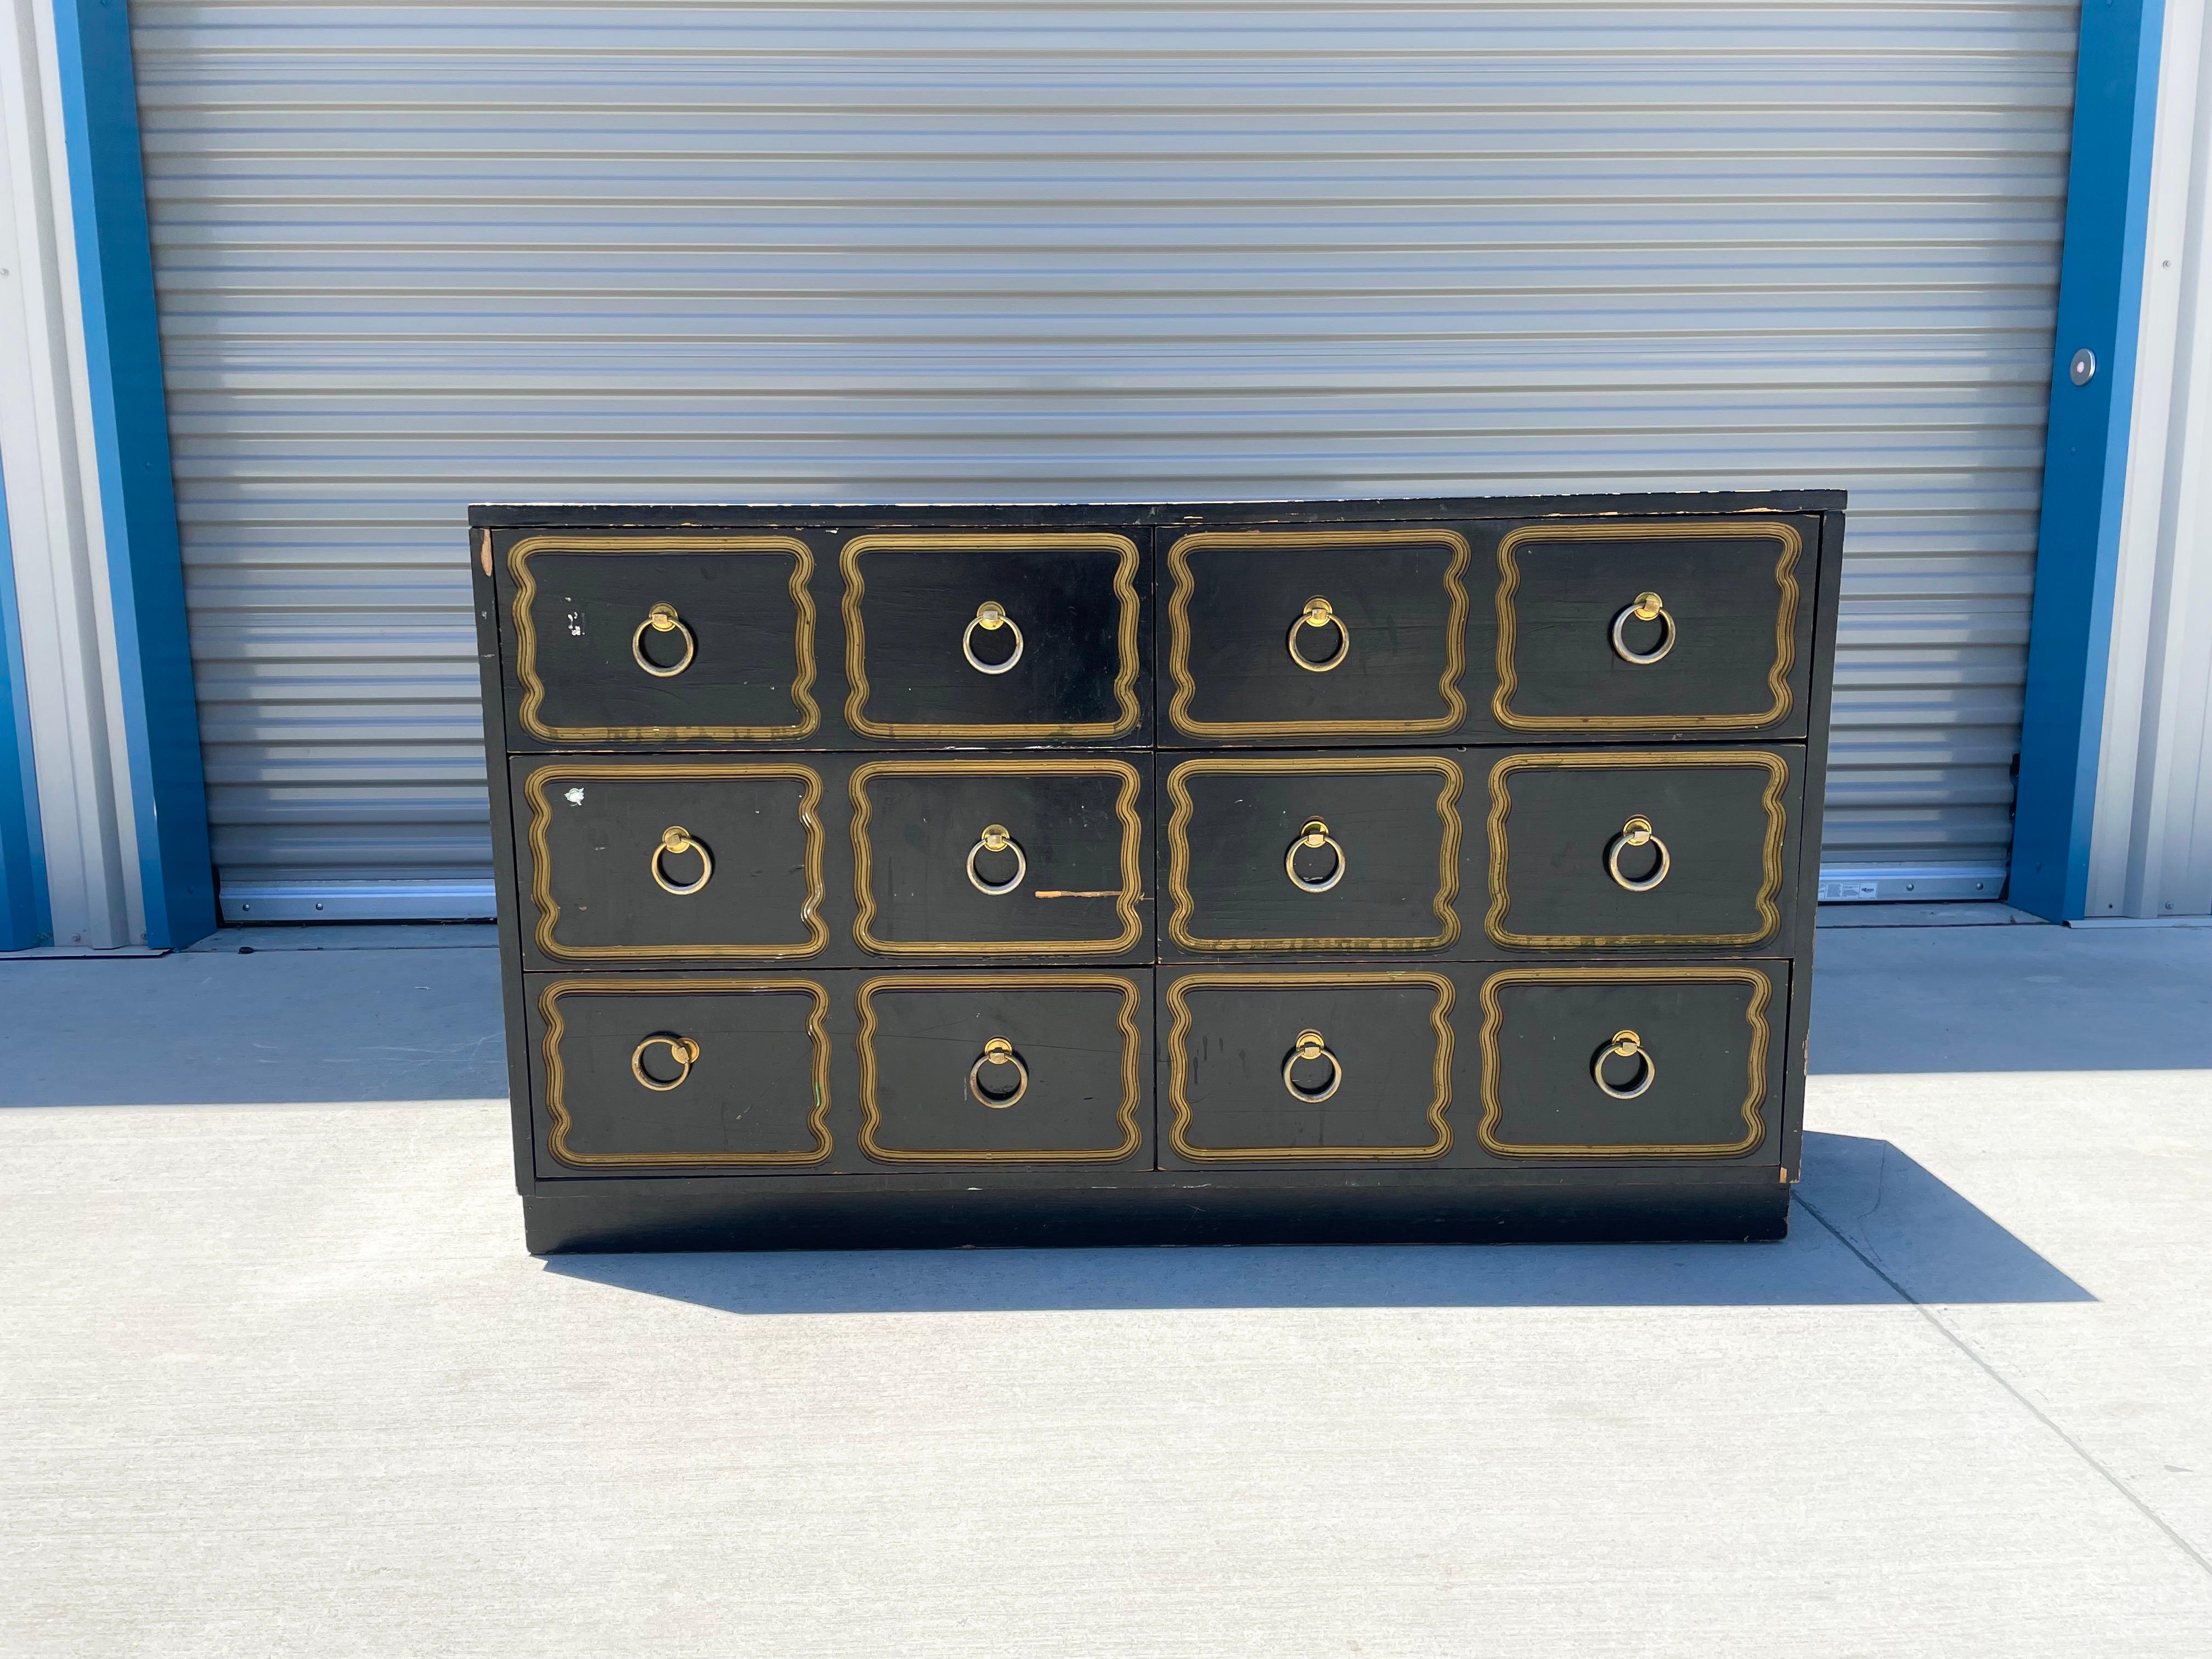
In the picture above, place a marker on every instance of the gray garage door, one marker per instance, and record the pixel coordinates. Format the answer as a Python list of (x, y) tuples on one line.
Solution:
[(412, 256)]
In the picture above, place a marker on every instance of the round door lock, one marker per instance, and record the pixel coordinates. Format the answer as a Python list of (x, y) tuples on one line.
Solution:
[(2083, 368)]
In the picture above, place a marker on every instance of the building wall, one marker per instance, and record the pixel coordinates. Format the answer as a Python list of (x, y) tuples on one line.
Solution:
[(412, 257), (2151, 848)]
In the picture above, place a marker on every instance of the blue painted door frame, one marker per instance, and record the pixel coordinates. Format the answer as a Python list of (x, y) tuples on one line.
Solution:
[(23, 921), (2086, 454), (138, 490)]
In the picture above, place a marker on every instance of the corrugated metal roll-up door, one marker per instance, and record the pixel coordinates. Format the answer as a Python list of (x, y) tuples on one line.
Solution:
[(411, 256)]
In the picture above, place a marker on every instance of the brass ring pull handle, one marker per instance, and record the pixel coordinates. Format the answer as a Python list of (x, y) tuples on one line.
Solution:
[(1625, 1045), (663, 619), (990, 617), (1646, 607), (1319, 613), (1636, 832), (682, 1050), (999, 1052), (1310, 1046), (1315, 834), (994, 839), (676, 839)]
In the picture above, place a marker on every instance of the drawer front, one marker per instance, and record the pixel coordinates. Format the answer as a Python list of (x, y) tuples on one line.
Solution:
[(989, 636), (1465, 1066), (1700, 627), (700, 1075), (1037, 856), (1324, 853), (1611, 850), (662, 638), (1356, 632), (1277, 1066), (1632, 1062), (1037, 1068), (678, 859)]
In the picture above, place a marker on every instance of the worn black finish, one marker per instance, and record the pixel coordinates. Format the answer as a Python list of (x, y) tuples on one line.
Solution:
[(833, 861), (1467, 854), (808, 1072), (1457, 1065), (1741, 603), (1707, 1078), (819, 1043), (1066, 515), (743, 1062), (1557, 827), (594, 828), (1216, 1206), (1381, 1089), (809, 636), (1074, 1087), (1245, 663), (1474, 629), (1418, 831), (1805, 886), (1394, 846), (573, 626), (1076, 598), (1078, 858)]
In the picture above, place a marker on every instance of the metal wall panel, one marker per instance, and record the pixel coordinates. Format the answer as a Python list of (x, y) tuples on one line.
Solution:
[(413, 256), (2150, 848)]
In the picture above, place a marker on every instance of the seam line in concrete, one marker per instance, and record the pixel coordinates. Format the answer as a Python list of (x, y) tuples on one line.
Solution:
[(2005, 1382)]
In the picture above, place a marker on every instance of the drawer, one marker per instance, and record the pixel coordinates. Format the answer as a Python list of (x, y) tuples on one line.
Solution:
[(619, 638), (1354, 633), (1631, 1061), (1036, 1068), (1326, 853), (1274, 1067), (1034, 856), (1339, 854), (1692, 627), (1618, 848), (994, 635), (701, 1075), (1465, 1066), (680, 859)]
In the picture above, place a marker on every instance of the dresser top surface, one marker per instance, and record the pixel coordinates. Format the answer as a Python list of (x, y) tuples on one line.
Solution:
[(581, 514)]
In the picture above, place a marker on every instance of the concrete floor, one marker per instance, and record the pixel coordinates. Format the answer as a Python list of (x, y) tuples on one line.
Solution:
[(275, 1376)]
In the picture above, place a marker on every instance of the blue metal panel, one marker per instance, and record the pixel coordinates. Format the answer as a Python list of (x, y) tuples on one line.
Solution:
[(131, 432), (23, 917), (2086, 454)]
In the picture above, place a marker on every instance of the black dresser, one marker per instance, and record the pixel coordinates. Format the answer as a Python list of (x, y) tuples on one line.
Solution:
[(1435, 870)]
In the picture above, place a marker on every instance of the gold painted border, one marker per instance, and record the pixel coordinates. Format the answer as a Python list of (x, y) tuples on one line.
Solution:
[(1178, 881), (1179, 635), (1125, 635), (1125, 808), (871, 1117), (1179, 1068), (1785, 622), (526, 633), (1493, 1110), (541, 862), (1501, 808), (817, 1120)]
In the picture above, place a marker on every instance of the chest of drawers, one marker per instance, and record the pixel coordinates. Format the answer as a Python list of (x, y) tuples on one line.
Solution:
[(1354, 870)]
